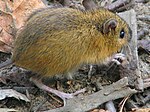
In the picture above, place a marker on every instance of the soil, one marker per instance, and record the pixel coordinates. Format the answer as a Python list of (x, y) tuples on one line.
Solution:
[(100, 75)]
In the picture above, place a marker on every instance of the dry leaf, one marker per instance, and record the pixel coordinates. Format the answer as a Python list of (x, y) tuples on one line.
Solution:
[(7, 110), (13, 14), (145, 44), (99, 110), (3, 80), (4, 47), (141, 110), (26, 7), (3, 5), (7, 30), (12, 93), (13, 4)]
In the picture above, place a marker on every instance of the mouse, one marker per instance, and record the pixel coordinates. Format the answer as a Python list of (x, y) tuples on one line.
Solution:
[(59, 40)]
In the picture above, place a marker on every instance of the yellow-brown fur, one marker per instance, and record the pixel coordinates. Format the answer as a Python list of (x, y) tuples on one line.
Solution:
[(60, 40)]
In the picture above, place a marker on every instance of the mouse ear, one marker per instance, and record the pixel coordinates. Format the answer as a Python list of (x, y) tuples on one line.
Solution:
[(109, 25)]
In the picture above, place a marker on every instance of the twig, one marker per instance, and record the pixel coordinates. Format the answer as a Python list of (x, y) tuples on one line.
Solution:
[(131, 104), (40, 105), (146, 83), (125, 7), (146, 18), (118, 4), (90, 71), (21, 89), (146, 99), (55, 99), (133, 63), (110, 106), (142, 33), (144, 44), (66, 2), (141, 1), (82, 104), (89, 4), (123, 103)]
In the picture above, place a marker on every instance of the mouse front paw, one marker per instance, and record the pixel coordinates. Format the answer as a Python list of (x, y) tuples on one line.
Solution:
[(119, 58)]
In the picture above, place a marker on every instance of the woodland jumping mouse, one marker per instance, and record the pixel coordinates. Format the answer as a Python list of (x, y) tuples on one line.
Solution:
[(56, 41)]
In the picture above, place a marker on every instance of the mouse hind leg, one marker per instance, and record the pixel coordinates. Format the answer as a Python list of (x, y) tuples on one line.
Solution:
[(60, 94)]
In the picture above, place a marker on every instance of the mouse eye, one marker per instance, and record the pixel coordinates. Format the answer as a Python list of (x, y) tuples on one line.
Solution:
[(122, 33)]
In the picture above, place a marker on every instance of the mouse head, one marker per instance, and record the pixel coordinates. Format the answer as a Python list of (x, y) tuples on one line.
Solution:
[(110, 34), (115, 34), (116, 27)]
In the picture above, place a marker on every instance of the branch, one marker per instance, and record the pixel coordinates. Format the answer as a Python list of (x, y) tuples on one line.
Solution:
[(131, 51), (114, 91), (89, 4), (120, 5)]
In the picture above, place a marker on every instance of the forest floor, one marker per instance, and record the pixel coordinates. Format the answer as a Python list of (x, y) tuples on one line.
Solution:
[(18, 78)]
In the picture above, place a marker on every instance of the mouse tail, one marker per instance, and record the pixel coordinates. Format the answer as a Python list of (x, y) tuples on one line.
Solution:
[(6, 63)]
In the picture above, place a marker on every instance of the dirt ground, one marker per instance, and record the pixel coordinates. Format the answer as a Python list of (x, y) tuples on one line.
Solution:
[(18, 78)]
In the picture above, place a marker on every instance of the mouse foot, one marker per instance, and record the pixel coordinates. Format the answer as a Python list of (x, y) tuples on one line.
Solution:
[(60, 94), (119, 58)]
